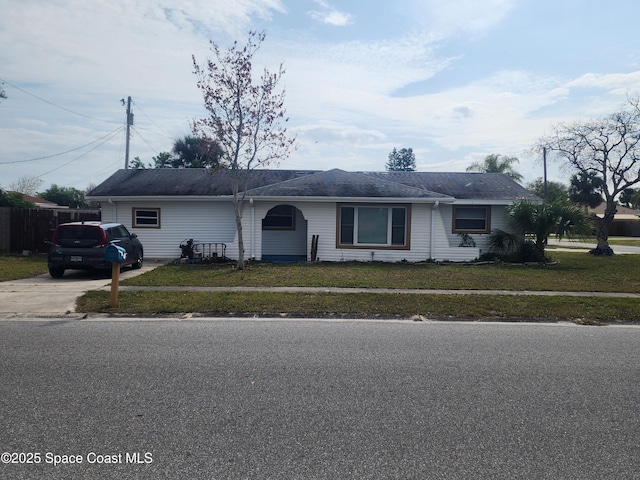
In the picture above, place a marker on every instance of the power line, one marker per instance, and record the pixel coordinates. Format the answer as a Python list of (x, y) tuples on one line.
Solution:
[(62, 153), (154, 123), (144, 140), (113, 134), (54, 105)]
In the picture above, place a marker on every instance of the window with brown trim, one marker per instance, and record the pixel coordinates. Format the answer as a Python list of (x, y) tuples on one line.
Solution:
[(471, 219), (146, 217), (373, 226)]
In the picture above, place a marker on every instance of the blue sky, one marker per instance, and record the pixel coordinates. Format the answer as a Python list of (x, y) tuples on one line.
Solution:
[(454, 80)]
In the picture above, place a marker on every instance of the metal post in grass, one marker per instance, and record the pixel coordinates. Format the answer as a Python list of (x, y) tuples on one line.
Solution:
[(116, 255)]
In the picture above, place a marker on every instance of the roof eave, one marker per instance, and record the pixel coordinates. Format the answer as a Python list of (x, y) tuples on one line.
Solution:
[(151, 198), (325, 199)]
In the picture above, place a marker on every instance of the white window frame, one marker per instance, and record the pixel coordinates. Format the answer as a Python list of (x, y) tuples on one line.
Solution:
[(136, 217), (382, 246)]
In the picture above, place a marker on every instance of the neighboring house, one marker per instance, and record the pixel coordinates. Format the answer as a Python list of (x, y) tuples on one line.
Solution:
[(365, 216), (626, 222), (39, 202)]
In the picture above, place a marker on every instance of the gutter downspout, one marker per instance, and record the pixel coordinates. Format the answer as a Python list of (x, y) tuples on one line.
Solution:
[(253, 228), (432, 232), (115, 210)]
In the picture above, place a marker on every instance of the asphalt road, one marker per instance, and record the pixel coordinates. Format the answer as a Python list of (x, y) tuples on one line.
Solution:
[(234, 399)]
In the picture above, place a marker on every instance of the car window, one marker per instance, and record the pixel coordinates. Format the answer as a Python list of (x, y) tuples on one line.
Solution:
[(118, 232), (78, 235), (122, 232)]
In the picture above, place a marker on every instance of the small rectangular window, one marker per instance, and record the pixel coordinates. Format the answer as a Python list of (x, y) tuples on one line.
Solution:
[(471, 219), (146, 218)]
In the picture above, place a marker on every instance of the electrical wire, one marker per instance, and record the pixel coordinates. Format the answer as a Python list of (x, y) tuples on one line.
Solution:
[(63, 153), (149, 118), (145, 141), (113, 134), (54, 105)]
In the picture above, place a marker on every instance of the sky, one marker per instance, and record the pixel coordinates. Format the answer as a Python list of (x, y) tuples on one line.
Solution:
[(455, 81)]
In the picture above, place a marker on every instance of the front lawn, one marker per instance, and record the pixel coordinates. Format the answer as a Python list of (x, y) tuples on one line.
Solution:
[(572, 272), (368, 305), (15, 267)]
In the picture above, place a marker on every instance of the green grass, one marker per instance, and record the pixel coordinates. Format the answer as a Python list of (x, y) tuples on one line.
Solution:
[(573, 272), (585, 310), (15, 267)]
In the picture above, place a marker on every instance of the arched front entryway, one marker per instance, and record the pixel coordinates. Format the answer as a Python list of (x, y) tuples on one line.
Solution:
[(284, 235)]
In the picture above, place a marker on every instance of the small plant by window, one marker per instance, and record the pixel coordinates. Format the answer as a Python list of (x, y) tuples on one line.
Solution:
[(466, 240)]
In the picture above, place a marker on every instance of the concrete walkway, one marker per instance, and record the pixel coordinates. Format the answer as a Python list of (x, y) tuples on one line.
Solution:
[(378, 290)]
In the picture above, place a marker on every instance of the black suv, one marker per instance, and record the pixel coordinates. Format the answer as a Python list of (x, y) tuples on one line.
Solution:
[(82, 245)]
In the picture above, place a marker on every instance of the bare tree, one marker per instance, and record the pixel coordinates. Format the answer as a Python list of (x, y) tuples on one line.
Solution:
[(27, 185), (246, 117), (607, 149)]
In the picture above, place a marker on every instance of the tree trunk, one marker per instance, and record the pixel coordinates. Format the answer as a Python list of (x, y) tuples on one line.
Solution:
[(602, 227), (540, 246), (238, 200), (238, 213)]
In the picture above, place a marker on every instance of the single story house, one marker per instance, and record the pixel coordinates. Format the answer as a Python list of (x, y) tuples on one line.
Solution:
[(330, 215)]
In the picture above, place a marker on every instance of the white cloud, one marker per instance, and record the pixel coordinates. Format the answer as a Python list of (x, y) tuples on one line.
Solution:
[(612, 82), (328, 14), (338, 134), (454, 17)]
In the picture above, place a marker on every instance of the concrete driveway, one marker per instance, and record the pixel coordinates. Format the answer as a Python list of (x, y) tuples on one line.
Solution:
[(45, 296)]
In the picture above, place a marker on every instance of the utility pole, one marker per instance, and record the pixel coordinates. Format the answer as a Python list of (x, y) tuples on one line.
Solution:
[(129, 123)]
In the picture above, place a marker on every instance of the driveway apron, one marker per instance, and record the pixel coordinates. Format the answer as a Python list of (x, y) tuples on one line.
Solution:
[(46, 296)]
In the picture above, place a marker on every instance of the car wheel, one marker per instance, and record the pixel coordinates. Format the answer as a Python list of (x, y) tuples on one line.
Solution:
[(56, 272), (139, 260)]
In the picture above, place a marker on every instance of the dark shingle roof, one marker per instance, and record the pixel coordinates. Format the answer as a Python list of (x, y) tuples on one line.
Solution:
[(462, 185), (313, 183), (183, 182), (340, 184)]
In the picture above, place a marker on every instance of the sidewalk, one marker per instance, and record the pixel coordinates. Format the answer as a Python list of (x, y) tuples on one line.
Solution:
[(346, 291)]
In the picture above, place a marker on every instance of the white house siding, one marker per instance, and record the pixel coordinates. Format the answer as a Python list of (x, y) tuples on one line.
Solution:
[(443, 250), (214, 221), (204, 221), (321, 221), (498, 220)]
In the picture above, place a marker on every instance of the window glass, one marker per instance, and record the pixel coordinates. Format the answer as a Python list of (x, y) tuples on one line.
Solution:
[(398, 224), (372, 225), (281, 217), (471, 219), (149, 218), (347, 216)]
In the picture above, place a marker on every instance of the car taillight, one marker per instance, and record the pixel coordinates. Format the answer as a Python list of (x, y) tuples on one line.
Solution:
[(104, 241)]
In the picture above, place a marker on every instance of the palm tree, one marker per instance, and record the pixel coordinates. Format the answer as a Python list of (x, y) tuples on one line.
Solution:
[(540, 220), (194, 152), (496, 163)]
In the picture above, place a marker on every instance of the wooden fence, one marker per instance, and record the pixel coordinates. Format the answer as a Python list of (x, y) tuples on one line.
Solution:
[(31, 228)]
